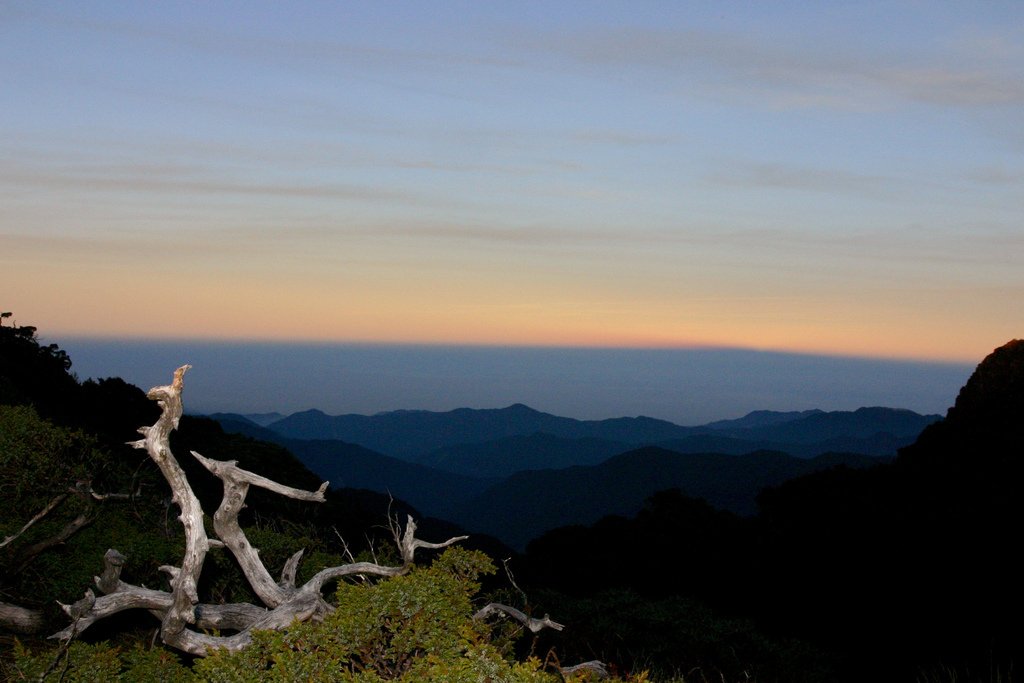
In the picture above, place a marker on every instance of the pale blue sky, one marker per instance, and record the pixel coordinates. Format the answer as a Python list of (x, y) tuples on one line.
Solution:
[(834, 177)]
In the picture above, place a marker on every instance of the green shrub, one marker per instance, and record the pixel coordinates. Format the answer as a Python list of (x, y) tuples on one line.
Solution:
[(88, 663), (417, 627)]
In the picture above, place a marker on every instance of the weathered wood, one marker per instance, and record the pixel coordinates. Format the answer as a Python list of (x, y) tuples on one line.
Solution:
[(535, 625), (225, 523), (18, 619), (594, 666), (179, 609), (109, 580), (156, 442), (291, 571), (408, 544)]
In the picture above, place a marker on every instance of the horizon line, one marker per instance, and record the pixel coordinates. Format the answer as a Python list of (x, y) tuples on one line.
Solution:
[(469, 345)]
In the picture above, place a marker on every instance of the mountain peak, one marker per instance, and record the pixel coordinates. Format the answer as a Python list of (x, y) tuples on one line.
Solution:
[(521, 408), (312, 412), (762, 418), (994, 394), (987, 421)]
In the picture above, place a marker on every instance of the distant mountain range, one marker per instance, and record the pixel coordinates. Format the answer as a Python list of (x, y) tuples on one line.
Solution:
[(516, 472), (432, 491), (412, 434), (417, 435)]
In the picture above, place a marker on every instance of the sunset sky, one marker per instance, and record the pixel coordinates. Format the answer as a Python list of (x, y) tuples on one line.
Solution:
[(843, 178)]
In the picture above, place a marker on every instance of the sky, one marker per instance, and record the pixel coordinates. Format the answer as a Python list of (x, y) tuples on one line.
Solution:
[(832, 178)]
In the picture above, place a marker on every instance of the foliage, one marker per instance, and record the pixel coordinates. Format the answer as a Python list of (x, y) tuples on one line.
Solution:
[(45, 474), (87, 663), (38, 461), (44, 466), (415, 627), (65, 572)]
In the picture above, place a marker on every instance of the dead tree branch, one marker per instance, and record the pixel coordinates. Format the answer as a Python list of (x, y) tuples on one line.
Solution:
[(20, 619), (594, 666), (26, 555), (179, 610), (535, 625), (38, 516)]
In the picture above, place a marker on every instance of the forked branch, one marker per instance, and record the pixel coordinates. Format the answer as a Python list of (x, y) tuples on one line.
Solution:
[(179, 610)]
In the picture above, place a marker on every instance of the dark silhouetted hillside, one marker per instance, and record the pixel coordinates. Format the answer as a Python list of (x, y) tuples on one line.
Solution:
[(506, 456), (904, 571), (524, 504), (882, 445), (431, 491), (986, 424), (914, 561), (527, 504)]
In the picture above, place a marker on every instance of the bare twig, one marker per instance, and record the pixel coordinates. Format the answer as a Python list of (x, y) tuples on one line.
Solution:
[(512, 580), (38, 516), (26, 555)]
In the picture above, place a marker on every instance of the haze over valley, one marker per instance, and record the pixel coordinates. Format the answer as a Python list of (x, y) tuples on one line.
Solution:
[(684, 386)]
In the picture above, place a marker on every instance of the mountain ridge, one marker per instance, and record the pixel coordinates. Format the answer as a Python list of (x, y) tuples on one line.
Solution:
[(518, 506), (429, 490), (526, 504), (415, 435)]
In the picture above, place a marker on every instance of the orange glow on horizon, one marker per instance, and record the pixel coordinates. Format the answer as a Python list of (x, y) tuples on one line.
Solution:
[(85, 301)]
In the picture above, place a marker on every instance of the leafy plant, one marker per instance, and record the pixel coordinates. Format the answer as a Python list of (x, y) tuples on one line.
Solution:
[(415, 627)]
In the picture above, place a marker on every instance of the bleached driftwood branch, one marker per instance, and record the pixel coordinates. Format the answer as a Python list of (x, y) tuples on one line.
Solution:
[(535, 625), (594, 667), (179, 610)]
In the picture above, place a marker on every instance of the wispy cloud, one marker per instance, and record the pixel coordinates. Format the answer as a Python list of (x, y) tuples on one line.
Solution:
[(96, 250), (784, 74), (630, 138), (790, 177), (268, 44), (996, 175), (949, 85), (156, 179)]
